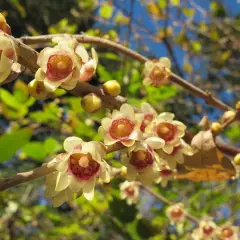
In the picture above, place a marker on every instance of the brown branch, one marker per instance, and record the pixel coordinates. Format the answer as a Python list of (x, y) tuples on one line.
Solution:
[(165, 200), (207, 96)]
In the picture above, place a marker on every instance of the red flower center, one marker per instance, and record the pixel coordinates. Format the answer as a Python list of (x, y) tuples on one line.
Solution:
[(175, 150), (176, 212), (59, 66), (121, 129), (82, 166), (227, 232), (140, 159), (166, 172), (147, 119), (208, 230), (129, 191), (166, 131)]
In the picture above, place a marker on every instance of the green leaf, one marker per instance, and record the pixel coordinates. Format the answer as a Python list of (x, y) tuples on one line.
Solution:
[(10, 143), (196, 46), (175, 2), (35, 150), (189, 12), (51, 145), (104, 74), (162, 4), (106, 11), (9, 99)]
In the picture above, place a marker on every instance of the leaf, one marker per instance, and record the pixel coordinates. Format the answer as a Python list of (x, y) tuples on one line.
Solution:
[(207, 163), (51, 145), (104, 74), (10, 143), (121, 19), (175, 2), (189, 12), (196, 46), (162, 3), (35, 150), (9, 99), (106, 11)]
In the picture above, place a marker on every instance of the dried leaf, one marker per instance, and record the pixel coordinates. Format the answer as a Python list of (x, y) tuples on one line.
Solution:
[(207, 163)]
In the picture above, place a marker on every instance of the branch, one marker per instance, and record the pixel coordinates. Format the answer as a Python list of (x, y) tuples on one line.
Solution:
[(207, 96), (165, 200)]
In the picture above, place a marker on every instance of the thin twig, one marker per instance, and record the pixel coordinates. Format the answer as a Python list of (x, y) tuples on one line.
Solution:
[(207, 96)]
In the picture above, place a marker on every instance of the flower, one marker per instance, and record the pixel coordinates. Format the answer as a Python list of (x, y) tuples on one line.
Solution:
[(142, 163), (228, 232), (59, 66), (8, 56), (3, 25), (165, 174), (206, 230), (77, 170), (177, 155), (122, 126), (89, 65), (165, 128), (129, 191), (157, 73), (176, 213), (148, 113)]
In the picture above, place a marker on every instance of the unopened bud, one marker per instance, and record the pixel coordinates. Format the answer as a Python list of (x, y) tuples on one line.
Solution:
[(91, 103), (112, 88), (227, 115), (238, 105), (237, 159), (37, 90), (216, 127)]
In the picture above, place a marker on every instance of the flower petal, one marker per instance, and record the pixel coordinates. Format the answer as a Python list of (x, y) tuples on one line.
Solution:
[(88, 189), (166, 116), (75, 184), (155, 142), (165, 61), (168, 148), (127, 110), (72, 143), (61, 181), (106, 123), (82, 52)]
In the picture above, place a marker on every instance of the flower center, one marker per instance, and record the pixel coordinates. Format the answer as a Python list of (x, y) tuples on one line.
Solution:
[(166, 131), (59, 66), (147, 119), (208, 230), (82, 166), (140, 159), (227, 232), (175, 150), (121, 129), (158, 75), (176, 213), (129, 191), (166, 172)]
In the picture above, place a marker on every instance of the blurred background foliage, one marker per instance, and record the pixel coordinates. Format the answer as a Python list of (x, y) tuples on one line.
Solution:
[(202, 40)]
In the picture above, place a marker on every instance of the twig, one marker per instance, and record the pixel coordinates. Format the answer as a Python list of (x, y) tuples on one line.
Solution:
[(165, 200), (207, 96)]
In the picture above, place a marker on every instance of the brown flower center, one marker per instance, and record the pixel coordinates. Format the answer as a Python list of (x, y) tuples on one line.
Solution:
[(208, 230), (121, 129), (147, 119), (166, 131), (176, 213), (158, 76), (129, 191), (227, 232), (140, 159), (59, 66), (82, 166)]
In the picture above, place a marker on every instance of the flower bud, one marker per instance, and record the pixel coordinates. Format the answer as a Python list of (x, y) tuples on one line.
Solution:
[(37, 90), (216, 127), (237, 159), (238, 105), (227, 115), (91, 103), (112, 88)]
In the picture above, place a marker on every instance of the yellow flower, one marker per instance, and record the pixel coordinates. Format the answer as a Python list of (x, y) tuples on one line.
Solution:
[(176, 213), (122, 126), (157, 73), (129, 191), (142, 163), (228, 232), (165, 128), (8, 56), (59, 66), (77, 170)]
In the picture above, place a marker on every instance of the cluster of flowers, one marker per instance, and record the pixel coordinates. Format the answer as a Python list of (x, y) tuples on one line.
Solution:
[(63, 65), (153, 146), (8, 50)]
